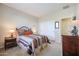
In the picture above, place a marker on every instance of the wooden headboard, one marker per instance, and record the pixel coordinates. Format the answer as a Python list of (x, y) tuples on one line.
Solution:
[(23, 29)]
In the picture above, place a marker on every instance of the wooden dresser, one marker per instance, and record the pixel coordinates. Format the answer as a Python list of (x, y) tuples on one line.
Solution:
[(10, 42), (70, 45)]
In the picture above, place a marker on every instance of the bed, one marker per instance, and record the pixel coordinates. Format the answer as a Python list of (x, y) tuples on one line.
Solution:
[(30, 42)]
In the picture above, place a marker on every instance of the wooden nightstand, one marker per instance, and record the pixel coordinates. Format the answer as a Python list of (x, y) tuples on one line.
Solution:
[(10, 42)]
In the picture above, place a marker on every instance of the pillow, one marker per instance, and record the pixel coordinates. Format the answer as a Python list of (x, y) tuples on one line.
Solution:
[(28, 33), (20, 32)]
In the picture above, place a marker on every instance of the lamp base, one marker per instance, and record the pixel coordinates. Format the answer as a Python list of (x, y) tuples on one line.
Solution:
[(11, 35)]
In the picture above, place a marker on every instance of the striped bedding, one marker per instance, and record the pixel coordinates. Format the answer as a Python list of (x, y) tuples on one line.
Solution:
[(32, 42)]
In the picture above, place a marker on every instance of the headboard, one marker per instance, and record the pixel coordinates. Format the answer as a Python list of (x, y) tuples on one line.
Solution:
[(23, 29)]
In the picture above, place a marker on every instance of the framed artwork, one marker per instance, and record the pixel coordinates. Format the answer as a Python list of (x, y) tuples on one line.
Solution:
[(56, 24)]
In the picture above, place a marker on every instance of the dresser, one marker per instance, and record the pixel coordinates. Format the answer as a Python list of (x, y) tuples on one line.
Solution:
[(70, 45), (10, 42)]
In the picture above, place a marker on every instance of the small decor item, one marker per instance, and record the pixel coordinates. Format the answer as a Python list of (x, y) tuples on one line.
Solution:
[(74, 31), (56, 24)]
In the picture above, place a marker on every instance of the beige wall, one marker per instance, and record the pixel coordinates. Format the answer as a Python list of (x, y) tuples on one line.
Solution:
[(11, 18)]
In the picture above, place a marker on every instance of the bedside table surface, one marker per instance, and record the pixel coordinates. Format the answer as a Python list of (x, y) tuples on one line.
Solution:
[(9, 38)]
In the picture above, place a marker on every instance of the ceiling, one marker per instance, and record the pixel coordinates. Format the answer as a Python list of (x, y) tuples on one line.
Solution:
[(36, 9)]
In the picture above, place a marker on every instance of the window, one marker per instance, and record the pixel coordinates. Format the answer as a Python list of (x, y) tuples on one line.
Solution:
[(56, 24)]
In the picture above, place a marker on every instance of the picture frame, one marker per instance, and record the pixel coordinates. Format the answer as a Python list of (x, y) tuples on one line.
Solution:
[(56, 24)]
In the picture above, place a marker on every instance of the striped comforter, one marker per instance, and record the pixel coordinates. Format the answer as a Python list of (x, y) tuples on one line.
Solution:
[(37, 40)]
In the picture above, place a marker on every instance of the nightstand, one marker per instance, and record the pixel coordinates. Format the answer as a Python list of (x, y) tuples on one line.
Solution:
[(10, 42)]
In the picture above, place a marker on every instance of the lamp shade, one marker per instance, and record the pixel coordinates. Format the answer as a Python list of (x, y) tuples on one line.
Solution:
[(11, 31)]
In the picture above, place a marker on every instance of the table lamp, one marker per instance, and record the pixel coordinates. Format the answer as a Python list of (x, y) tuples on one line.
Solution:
[(12, 31)]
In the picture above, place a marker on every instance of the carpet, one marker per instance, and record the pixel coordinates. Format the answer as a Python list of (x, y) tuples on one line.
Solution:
[(53, 49)]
